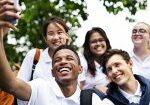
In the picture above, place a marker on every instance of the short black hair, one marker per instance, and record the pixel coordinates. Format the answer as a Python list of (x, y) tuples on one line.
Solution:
[(109, 53), (69, 47)]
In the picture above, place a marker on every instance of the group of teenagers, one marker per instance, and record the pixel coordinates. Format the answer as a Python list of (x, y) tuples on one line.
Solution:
[(62, 73)]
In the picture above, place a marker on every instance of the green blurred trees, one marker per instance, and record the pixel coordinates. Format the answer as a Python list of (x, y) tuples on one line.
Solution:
[(35, 12)]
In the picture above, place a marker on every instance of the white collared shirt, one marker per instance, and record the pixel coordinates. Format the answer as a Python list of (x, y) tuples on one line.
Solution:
[(99, 79), (47, 92), (141, 67), (26, 66), (133, 97), (44, 66)]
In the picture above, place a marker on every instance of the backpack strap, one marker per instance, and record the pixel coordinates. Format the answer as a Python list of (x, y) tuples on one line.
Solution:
[(86, 96), (35, 61)]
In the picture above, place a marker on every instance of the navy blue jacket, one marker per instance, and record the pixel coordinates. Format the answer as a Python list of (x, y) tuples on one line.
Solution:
[(117, 98)]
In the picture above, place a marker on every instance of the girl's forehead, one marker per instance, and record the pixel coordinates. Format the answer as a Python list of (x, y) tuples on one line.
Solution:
[(58, 25), (65, 52)]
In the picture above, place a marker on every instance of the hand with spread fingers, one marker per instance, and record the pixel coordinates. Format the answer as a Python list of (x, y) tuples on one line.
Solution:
[(7, 11)]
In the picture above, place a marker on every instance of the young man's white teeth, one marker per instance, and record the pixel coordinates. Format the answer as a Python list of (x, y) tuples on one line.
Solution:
[(64, 69)]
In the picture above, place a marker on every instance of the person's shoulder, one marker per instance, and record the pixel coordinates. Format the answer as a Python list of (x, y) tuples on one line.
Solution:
[(45, 52), (131, 53), (41, 81), (31, 52), (142, 79)]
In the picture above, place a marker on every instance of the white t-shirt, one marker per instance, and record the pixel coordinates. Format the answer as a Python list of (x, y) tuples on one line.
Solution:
[(99, 79), (47, 92), (133, 97), (141, 67)]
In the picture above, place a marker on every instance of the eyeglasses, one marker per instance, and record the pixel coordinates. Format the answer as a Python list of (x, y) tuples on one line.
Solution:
[(140, 31), (97, 40)]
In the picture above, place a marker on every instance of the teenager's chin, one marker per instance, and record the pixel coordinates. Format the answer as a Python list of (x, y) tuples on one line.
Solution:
[(55, 47), (64, 81)]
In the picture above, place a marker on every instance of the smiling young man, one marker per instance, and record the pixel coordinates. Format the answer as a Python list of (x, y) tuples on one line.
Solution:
[(125, 88)]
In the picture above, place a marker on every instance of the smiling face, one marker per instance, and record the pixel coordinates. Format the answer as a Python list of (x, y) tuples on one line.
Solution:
[(97, 44), (66, 67), (56, 35), (118, 70), (140, 35)]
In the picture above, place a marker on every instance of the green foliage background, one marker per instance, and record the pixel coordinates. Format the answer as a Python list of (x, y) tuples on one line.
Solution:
[(72, 11)]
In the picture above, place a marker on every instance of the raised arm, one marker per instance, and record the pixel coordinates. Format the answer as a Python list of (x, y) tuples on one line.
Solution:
[(8, 82)]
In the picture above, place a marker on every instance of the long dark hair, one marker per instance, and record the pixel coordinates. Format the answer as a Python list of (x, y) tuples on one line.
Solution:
[(89, 56)]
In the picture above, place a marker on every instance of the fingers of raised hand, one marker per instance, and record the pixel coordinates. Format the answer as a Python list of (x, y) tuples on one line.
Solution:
[(5, 14), (7, 11), (4, 2), (7, 8), (7, 24)]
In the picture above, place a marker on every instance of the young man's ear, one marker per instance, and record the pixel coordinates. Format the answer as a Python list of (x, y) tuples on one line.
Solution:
[(130, 63), (52, 72), (80, 69)]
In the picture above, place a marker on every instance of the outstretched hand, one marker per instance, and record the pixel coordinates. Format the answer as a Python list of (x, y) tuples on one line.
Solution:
[(7, 9)]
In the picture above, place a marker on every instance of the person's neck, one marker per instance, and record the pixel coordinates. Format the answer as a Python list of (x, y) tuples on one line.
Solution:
[(97, 59), (50, 52), (68, 89), (141, 52), (130, 87)]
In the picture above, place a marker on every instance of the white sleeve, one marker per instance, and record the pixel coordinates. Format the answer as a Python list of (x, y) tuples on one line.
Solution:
[(41, 92), (34, 94), (26, 66)]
